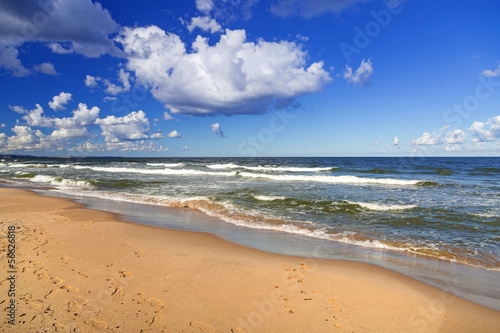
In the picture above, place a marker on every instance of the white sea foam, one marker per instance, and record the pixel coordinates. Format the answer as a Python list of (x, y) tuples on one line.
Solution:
[(62, 182), (268, 168), (18, 165), (484, 215), (332, 179), (381, 207), (166, 171), (268, 197), (166, 165)]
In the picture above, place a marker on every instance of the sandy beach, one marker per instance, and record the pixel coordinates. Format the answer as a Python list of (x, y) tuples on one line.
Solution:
[(78, 270)]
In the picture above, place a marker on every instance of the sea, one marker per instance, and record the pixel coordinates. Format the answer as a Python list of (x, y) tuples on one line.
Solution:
[(436, 219)]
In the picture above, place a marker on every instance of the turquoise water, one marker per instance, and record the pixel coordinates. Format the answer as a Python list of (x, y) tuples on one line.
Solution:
[(447, 208)]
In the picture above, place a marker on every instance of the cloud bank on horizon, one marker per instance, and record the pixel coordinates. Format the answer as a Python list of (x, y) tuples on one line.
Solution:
[(211, 61)]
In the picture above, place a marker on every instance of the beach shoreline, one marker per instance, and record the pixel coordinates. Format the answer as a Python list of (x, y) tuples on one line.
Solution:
[(84, 270)]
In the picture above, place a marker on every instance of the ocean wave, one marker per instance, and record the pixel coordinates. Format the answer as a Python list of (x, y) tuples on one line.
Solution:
[(180, 172), (62, 182), (268, 197), (269, 168), (166, 165), (334, 179), (381, 207)]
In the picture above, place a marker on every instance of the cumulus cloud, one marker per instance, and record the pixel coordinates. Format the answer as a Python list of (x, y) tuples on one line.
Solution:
[(492, 73), (310, 8), (111, 88), (125, 133), (204, 6), (362, 75), (59, 101), (167, 116), (217, 130), (427, 139), (486, 131), (205, 23), (454, 137), (174, 134), (46, 68), (133, 126), (231, 77), (91, 81), (82, 25), (395, 141), (9, 60), (114, 89)]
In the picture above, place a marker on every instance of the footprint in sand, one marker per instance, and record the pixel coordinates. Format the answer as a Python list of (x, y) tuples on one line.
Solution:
[(43, 276), (81, 300), (59, 327), (97, 324), (73, 306), (155, 303), (70, 289), (237, 330), (36, 320), (125, 274), (57, 281), (202, 327), (119, 292), (156, 323), (65, 259), (51, 294)]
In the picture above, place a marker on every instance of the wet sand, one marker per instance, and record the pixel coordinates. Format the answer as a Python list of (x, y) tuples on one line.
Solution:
[(79, 270)]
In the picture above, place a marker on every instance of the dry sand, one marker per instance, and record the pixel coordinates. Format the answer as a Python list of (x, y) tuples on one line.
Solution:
[(79, 270)]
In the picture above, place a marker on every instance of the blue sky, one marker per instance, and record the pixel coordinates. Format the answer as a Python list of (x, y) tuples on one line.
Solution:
[(250, 78)]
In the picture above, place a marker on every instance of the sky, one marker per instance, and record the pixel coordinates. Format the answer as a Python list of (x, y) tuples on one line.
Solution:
[(246, 78)]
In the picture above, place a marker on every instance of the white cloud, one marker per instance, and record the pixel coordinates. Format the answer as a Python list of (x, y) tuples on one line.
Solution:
[(59, 101), (174, 134), (362, 75), (2, 125), (167, 116), (310, 8), (91, 81), (156, 136), (36, 118), (492, 73), (114, 89), (487, 131), (302, 38), (205, 23), (46, 68), (18, 109), (133, 126), (120, 133), (205, 6), (427, 139), (233, 76), (455, 136), (395, 141), (68, 127), (217, 130), (454, 139), (82, 24), (10, 62), (59, 49)]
